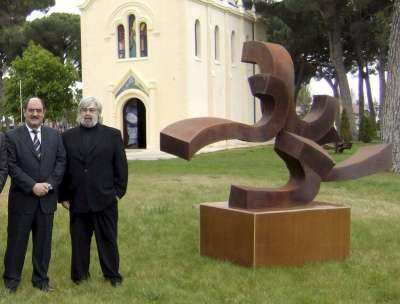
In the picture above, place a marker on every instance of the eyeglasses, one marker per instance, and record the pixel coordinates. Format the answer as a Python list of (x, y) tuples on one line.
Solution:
[(31, 111), (90, 110)]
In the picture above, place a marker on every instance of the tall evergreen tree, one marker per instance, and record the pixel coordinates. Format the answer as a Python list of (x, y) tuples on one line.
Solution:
[(58, 33), (12, 15), (355, 37), (296, 31)]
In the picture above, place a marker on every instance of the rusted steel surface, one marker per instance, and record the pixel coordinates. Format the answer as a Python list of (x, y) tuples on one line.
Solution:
[(366, 161), (296, 139), (331, 137), (294, 236)]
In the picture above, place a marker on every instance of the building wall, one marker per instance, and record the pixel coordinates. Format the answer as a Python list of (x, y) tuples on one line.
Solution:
[(197, 68), (218, 87), (175, 83)]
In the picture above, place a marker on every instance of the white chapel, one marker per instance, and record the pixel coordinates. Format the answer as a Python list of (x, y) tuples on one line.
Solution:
[(153, 62)]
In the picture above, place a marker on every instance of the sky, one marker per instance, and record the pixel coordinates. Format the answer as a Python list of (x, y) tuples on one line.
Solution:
[(67, 6), (316, 87)]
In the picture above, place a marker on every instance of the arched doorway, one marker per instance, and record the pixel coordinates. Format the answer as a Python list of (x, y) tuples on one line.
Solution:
[(134, 118)]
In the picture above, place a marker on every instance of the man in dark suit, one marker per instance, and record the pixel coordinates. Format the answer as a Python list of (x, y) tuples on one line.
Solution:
[(3, 162), (36, 163), (95, 179)]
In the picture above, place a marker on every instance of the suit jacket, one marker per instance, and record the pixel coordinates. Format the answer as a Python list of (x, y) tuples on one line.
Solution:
[(26, 169), (92, 181), (3, 161)]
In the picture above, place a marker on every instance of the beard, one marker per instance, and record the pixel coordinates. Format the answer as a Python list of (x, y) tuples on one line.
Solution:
[(89, 123)]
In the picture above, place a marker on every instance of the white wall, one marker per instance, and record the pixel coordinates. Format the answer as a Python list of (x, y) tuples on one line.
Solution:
[(196, 67)]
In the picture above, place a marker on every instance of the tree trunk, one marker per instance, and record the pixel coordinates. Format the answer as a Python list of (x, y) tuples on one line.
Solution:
[(391, 114), (371, 107), (360, 97), (334, 84), (382, 85), (331, 18), (337, 59), (336, 93)]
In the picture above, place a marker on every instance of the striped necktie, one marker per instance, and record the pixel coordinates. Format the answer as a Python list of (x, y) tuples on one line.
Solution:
[(36, 143)]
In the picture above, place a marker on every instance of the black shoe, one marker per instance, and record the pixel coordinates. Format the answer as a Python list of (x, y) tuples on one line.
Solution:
[(78, 282), (12, 289), (11, 285), (82, 279), (115, 282), (45, 287)]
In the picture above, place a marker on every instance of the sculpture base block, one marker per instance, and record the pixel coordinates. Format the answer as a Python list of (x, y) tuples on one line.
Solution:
[(313, 233)]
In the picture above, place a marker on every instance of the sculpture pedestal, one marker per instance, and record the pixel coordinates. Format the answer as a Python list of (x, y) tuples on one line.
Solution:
[(293, 236)]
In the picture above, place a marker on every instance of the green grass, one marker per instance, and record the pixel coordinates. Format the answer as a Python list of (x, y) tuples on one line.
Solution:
[(159, 241)]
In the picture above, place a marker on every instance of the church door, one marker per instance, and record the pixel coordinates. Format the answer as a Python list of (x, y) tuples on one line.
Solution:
[(134, 117)]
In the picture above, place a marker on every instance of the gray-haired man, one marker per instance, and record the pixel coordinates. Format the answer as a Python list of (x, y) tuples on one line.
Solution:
[(96, 177)]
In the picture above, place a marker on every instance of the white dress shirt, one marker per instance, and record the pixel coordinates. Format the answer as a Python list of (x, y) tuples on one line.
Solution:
[(39, 133)]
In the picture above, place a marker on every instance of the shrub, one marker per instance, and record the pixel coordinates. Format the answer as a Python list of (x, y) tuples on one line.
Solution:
[(367, 128)]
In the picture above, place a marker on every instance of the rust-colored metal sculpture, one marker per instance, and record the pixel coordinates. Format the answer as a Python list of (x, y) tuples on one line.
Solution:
[(296, 140)]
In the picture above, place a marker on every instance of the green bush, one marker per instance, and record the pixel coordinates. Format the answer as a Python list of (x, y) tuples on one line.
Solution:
[(345, 130), (367, 129)]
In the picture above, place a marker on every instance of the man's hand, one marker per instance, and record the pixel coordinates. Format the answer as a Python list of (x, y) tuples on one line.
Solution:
[(65, 204), (40, 189)]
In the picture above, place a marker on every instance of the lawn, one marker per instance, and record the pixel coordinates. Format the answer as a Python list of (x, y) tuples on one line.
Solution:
[(159, 241)]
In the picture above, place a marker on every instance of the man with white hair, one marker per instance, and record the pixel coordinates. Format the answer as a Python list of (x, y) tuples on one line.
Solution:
[(95, 179)]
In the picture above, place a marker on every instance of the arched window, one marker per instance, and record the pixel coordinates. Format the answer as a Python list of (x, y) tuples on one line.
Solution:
[(132, 38), (197, 39), (132, 35), (216, 44), (121, 41), (233, 47), (143, 39)]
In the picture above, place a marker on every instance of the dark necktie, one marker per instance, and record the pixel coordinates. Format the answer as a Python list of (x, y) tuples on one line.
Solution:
[(36, 143)]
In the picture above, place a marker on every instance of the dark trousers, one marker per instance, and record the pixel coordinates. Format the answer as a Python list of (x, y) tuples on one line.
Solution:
[(19, 227), (104, 225)]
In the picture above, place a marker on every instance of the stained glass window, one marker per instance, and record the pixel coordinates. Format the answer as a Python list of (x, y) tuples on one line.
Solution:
[(121, 41), (143, 39), (132, 35)]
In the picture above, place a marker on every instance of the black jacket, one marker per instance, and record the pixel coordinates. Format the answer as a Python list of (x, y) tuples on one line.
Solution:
[(25, 169), (3, 161), (94, 179)]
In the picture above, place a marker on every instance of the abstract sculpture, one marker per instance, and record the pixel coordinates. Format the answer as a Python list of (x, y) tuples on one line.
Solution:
[(296, 140), (282, 226)]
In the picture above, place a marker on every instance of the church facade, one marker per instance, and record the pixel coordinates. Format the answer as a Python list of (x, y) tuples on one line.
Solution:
[(153, 62)]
